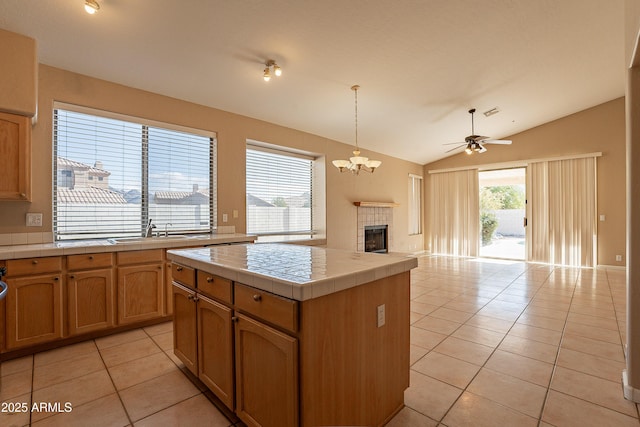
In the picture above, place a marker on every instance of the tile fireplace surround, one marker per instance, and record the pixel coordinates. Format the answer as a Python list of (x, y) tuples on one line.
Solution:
[(374, 216)]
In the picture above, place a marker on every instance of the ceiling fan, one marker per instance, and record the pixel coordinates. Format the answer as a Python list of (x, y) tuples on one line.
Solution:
[(475, 143)]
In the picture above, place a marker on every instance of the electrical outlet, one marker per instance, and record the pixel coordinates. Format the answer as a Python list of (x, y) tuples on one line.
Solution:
[(235, 213), (618, 257), (602, 218), (225, 217), (34, 220), (381, 315)]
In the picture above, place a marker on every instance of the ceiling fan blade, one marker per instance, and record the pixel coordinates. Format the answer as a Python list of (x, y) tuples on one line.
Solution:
[(497, 141), (482, 149), (455, 148), (453, 143)]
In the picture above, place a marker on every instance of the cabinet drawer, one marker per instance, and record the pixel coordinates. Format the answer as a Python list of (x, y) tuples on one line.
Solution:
[(139, 257), (85, 261), (184, 275), (23, 267), (269, 307), (214, 286)]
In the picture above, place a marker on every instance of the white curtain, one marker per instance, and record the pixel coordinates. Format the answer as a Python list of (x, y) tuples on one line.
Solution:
[(563, 212), (455, 213)]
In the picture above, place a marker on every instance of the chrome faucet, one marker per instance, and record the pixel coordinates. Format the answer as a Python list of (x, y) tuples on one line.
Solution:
[(149, 230), (166, 229)]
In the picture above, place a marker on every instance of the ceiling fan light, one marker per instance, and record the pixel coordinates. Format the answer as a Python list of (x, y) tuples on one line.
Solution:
[(267, 75), (277, 70), (468, 150), (91, 6)]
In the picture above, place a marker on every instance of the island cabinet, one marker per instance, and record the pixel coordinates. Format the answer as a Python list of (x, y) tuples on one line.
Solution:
[(140, 285), (321, 361), (34, 301), (203, 331), (90, 292)]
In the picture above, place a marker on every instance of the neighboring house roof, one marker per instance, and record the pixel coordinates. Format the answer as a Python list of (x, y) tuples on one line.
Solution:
[(256, 201), (90, 196), (65, 163), (181, 197)]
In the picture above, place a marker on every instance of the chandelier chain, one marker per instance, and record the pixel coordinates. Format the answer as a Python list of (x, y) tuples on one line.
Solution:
[(356, 94)]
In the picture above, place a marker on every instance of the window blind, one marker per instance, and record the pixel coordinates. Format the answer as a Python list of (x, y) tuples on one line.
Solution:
[(279, 192), (415, 204), (113, 175)]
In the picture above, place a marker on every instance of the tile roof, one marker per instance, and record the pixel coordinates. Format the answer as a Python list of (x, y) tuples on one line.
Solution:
[(90, 196), (77, 165)]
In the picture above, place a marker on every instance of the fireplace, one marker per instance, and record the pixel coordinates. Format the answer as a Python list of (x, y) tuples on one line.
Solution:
[(375, 238)]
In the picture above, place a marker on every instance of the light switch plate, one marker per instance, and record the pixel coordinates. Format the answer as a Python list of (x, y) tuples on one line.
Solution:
[(34, 220), (225, 217)]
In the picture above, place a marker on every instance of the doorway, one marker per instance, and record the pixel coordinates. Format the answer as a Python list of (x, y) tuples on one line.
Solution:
[(502, 213)]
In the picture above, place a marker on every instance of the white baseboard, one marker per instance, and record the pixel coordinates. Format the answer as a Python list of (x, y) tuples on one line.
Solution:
[(630, 393), (611, 267)]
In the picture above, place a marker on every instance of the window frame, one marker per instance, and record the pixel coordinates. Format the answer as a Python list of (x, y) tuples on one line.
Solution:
[(313, 184), (415, 204), (145, 178)]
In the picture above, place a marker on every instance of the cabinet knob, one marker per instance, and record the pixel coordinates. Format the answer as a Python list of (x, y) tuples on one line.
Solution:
[(178, 268), (34, 262), (90, 256), (234, 319), (56, 278), (209, 279), (190, 297), (196, 299), (23, 195), (72, 276), (159, 267), (257, 297)]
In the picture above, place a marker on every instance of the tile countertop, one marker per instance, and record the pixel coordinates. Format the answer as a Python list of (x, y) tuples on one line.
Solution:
[(292, 271), (73, 247)]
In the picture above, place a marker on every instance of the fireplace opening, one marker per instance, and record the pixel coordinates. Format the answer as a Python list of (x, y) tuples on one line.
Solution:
[(375, 238)]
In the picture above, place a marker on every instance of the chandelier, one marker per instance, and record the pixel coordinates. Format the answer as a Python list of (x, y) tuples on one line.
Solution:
[(357, 163)]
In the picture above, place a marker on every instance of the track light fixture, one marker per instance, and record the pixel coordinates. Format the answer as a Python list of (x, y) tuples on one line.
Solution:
[(271, 64), (91, 6)]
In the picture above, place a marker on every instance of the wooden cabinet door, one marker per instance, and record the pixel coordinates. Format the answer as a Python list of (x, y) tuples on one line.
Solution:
[(15, 157), (266, 375), (91, 296), (185, 344), (33, 310), (140, 292), (215, 348)]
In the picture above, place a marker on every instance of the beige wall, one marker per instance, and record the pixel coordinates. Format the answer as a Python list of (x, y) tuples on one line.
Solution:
[(389, 183), (601, 128)]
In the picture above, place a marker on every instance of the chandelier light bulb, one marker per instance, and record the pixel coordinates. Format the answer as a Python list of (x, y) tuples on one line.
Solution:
[(277, 70), (266, 75), (91, 6)]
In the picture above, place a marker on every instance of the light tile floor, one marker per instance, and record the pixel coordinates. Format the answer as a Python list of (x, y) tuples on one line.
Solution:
[(493, 343)]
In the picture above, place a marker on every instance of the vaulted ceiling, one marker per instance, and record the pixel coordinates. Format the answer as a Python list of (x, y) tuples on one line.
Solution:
[(421, 64)]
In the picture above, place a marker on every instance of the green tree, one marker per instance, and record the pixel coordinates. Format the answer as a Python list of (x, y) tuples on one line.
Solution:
[(279, 202), (502, 197)]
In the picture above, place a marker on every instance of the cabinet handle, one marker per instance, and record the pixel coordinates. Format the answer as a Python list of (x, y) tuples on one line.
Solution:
[(178, 268), (24, 196), (209, 279), (34, 262), (257, 297), (234, 319)]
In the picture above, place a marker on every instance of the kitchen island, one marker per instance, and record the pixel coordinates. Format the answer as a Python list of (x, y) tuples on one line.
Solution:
[(288, 335)]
